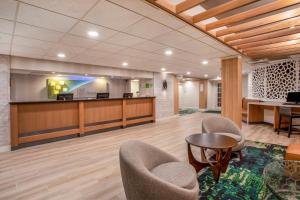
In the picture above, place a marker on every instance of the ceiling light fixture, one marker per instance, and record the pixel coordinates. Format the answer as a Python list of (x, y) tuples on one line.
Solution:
[(61, 55), (188, 73), (292, 27), (205, 75), (204, 62), (93, 33), (125, 64), (53, 72), (163, 69), (168, 52)]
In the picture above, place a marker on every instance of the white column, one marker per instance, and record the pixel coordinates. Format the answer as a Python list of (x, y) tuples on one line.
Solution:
[(4, 103)]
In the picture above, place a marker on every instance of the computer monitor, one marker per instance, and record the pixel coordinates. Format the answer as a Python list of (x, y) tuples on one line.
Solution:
[(65, 97), (127, 95), (103, 95), (293, 97)]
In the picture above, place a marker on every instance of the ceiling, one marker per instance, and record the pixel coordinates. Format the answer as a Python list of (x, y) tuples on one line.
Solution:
[(131, 31), (258, 29)]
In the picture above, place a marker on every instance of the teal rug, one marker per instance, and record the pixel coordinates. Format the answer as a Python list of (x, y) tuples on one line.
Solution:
[(187, 111), (243, 180)]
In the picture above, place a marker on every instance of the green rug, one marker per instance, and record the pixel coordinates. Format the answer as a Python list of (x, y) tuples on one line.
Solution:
[(243, 180)]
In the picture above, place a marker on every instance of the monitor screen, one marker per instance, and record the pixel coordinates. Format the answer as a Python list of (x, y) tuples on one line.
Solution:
[(65, 97), (293, 97)]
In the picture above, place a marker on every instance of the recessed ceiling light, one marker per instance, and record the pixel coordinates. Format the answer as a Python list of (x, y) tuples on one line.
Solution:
[(292, 27), (163, 69), (204, 62), (125, 64), (188, 73), (53, 72), (93, 33), (205, 75), (61, 55), (168, 52)]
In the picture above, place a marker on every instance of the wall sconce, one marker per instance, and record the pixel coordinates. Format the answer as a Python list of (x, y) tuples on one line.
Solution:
[(165, 84)]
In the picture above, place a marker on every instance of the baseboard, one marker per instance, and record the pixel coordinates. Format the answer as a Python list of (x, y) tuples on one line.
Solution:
[(5, 148)]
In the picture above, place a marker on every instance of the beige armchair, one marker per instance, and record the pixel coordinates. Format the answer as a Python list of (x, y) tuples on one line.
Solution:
[(224, 126), (151, 174)]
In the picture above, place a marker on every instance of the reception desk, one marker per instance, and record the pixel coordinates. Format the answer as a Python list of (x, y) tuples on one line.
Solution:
[(34, 122), (256, 111)]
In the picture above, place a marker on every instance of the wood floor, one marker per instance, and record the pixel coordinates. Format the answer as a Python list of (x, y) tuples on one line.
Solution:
[(88, 167)]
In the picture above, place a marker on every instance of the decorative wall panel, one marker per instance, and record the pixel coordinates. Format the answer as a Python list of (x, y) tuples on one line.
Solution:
[(272, 82)]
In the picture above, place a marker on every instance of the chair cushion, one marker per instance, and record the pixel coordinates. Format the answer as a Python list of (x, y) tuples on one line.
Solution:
[(177, 173), (293, 152)]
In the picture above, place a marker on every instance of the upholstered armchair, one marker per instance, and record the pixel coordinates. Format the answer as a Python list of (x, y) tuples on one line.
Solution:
[(151, 174), (224, 126)]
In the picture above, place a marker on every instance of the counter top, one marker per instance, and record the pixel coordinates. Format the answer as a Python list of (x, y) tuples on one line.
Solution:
[(268, 103), (75, 100)]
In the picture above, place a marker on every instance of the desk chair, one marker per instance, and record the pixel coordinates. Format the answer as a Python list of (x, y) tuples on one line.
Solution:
[(127, 95), (287, 113)]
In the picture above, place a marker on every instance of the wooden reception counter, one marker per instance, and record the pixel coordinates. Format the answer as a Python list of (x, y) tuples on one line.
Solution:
[(37, 122)]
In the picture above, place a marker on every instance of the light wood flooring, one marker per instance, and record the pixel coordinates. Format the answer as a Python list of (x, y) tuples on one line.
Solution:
[(88, 167)]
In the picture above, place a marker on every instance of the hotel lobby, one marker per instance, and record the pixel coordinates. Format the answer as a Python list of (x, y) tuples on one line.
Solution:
[(149, 99)]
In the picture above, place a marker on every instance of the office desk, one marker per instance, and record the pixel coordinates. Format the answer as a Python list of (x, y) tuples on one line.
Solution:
[(256, 111), (36, 121)]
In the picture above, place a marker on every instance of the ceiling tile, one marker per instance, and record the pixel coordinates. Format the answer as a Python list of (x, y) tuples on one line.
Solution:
[(147, 28), (69, 51), (172, 38), (82, 29), (137, 6), (37, 33), (28, 42), (166, 19), (125, 40), (218, 45), (8, 9), (133, 52), (21, 50), (73, 8), (78, 41), (103, 46), (43, 18), (5, 38), (149, 46), (191, 31), (6, 26), (112, 16)]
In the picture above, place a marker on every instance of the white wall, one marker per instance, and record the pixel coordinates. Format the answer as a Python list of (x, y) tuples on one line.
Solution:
[(189, 95), (4, 103), (164, 97), (245, 85)]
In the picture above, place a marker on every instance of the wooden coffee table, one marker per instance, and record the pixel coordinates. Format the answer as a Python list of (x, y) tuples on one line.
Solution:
[(221, 144)]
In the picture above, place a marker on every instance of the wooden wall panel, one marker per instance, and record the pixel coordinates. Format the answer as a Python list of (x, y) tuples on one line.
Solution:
[(99, 111), (138, 107), (44, 116), (232, 89), (203, 94), (176, 95)]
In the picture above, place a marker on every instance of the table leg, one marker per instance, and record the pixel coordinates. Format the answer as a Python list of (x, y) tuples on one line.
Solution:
[(195, 163)]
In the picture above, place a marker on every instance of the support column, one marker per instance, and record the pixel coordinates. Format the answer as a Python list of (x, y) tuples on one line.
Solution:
[(232, 89), (203, 94), (4, 103), (176, 95)]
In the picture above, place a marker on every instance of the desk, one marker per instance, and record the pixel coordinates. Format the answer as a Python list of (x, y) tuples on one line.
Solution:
[(256, 111), (35, 121)]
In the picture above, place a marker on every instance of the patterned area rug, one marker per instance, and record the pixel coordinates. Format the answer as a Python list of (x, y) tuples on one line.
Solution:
[(243, 180)]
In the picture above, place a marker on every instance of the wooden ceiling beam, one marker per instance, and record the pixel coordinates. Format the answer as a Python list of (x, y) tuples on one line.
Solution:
[(276, 5), (166, 4), (265, 36), (292, 22), (276, 50), (186, 5), (272, 49), (259, 22), (269, 41), (220, 9), (276, 53), (268, 46)]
